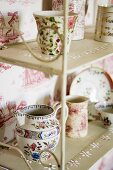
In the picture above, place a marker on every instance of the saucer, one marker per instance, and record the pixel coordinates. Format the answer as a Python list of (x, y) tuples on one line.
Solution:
[(94, 83)]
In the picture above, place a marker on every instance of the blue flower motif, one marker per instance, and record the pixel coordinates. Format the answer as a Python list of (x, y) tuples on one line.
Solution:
[(41, 136), (36, 155)]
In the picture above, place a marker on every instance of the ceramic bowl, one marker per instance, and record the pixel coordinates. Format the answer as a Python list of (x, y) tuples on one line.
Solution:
[(105, 109)]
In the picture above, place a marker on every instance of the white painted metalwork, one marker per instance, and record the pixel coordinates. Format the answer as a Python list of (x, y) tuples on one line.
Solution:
[(64, 82)]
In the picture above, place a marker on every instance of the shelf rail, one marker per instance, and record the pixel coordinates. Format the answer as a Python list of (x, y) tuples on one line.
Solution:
[(64, 82)]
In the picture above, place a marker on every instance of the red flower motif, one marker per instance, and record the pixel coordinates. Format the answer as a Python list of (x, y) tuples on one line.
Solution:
[(68, 128), (83, 125), (71, 22), (33, 146), (20, 131), (27, 133), (60, 1), (73, 110)]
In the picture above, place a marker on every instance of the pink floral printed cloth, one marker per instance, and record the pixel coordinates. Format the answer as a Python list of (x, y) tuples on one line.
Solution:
[(16, 16)]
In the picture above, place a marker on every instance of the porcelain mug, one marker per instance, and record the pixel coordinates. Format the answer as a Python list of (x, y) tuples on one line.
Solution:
[(40, 131), (50, 25), (104, 24), (78, 6), (77, 122), (105, 110)]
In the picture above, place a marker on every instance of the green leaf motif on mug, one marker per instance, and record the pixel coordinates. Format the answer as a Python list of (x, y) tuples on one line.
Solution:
[(52, 19)]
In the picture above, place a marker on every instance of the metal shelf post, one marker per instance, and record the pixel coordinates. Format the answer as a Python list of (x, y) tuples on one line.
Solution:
[(64, 82)]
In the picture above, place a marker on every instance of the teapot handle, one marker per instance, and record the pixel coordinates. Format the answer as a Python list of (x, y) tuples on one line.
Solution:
[(41, 58), (57, 105)]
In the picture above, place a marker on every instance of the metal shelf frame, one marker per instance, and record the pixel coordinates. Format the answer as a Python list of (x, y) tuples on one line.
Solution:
[(80, 55)]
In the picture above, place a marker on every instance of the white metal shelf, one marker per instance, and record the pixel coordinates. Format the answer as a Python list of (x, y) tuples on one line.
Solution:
[(82, 153), (82, 52), (86, 52), (96, 144)]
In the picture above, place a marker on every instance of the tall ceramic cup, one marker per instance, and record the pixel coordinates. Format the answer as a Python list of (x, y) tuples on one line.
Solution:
[(50, 25), (78, 6), (77, 122), (104, 24)]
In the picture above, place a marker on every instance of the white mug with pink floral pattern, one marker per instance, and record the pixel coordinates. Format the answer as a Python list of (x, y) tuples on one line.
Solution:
[(78, 6), (77, 122), (50, 25)]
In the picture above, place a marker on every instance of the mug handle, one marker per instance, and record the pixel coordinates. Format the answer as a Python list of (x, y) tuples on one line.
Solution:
[(57, 105), (41, 58), (86, 7)]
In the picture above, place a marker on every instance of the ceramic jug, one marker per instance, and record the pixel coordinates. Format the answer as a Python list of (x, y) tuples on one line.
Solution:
[(77, 122), (50, 26), (38, 131)]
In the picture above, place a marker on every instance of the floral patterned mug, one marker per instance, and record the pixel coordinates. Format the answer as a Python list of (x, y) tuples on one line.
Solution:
[(50, 25)]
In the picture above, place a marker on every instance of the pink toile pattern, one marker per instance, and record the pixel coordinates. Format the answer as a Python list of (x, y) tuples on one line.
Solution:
[(19, 87), (16, 17), (10, 2), (8, 26)]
